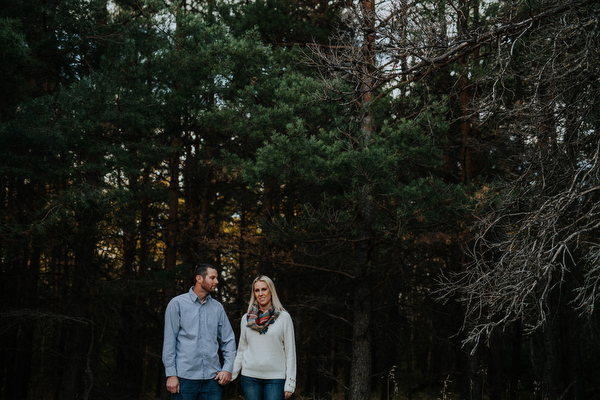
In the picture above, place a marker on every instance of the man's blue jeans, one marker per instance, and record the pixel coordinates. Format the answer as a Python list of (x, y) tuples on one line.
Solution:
[(262, 389), (192, 389)]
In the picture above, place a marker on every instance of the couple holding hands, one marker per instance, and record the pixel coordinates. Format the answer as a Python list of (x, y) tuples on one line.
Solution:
[(196, 326)]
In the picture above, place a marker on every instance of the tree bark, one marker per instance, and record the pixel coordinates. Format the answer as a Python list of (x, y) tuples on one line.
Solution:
[(173, 215), (467, 132), (360, 372), (515, 363), (77, 334), (551, 359), (360, 375), (128, 374), (475, 377)]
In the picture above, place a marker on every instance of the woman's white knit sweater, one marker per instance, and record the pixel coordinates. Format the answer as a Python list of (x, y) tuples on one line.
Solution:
[(268, 356)]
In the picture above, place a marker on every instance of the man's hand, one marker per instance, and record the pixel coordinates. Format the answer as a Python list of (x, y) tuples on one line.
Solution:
[(173, 384), (288, 395), (223, 377)]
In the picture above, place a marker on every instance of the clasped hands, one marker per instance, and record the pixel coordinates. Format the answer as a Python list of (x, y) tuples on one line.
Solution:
[(223, 377)]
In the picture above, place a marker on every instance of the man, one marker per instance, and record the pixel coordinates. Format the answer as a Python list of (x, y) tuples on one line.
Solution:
[(195, 326)]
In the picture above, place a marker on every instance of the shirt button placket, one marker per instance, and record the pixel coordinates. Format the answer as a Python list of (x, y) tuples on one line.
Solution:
[(200, 336)]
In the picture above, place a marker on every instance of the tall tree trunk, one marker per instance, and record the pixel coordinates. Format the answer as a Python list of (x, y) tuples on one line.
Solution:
[(571, 340), (19, 275), (553, 372), (515, 362), (173, 215), (467, 131), (174, 173), (360, 375), (360, 372), (131, 343), (16, 333), (550, 361), (573, 351), (474, 374), (495, 370), (77, 378)]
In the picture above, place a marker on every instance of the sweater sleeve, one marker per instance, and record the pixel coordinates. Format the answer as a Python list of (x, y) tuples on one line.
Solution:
[(289, 343), (242, 346)]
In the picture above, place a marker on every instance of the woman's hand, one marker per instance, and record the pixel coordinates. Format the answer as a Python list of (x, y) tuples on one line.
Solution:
[(287, 395)]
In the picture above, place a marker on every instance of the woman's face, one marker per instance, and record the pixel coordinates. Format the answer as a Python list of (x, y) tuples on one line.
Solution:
[(262, 295)]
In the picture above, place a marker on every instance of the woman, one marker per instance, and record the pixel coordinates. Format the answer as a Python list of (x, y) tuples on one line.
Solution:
[(266, 354)]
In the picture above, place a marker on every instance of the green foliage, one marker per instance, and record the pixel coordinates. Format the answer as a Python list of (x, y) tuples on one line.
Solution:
[(14, 56), (397, 165), (284, 22)]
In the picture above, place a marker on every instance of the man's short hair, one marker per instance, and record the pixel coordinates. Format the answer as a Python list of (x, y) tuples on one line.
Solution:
[(202, 270)]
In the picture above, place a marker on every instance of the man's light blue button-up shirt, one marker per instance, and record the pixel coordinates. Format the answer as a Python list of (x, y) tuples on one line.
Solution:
[(193, 333)]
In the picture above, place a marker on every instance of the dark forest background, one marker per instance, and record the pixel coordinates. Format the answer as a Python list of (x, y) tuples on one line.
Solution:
[(420, 179)]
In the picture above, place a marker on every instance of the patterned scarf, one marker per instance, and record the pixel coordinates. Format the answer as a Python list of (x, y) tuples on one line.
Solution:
[(260, 321)]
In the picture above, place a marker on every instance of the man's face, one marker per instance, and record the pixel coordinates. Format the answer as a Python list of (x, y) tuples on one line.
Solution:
[(210, 282)]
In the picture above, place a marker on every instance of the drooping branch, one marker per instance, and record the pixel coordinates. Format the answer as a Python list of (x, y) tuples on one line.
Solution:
[(536, 247)]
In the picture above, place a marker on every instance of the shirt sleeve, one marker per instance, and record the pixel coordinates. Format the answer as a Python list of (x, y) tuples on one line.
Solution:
[(227, 342), (170, 338), (289, 343), (243, 345)]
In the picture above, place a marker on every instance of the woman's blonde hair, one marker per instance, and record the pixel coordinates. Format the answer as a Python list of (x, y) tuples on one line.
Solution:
[(274, 298)]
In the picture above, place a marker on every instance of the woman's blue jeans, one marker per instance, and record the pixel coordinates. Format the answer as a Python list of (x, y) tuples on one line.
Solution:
[(262, 389), (192, 389)]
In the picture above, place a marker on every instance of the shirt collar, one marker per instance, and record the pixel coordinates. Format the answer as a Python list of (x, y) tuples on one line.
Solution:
[(194, 297)]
